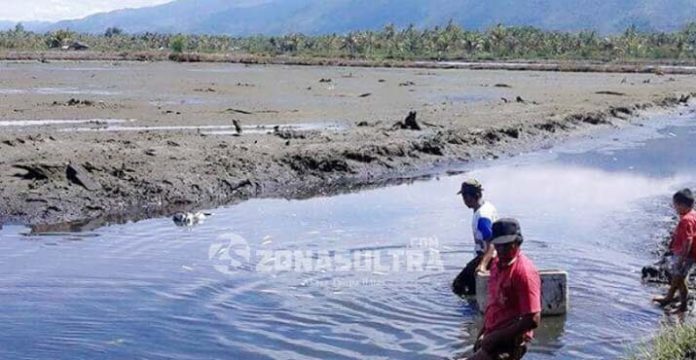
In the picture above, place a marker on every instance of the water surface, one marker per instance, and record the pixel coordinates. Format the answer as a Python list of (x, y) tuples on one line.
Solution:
[(594, 207)]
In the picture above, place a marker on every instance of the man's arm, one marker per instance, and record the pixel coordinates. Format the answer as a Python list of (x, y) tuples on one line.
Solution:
[(686, 250), (485, 226), (488, 255), (669, 247), (516, 329)]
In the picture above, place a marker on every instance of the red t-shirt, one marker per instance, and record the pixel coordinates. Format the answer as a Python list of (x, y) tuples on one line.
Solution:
[(686, 229), (513, 291)]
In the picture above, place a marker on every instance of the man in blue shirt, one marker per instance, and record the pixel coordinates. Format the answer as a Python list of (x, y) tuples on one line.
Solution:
[(482, 226)]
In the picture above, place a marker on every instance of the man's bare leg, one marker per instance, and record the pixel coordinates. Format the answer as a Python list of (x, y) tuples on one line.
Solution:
[(677, 281), (683, 297)]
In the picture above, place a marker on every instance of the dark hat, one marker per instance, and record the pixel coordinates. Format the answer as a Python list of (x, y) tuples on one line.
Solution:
[(506, 231), (469, 186)]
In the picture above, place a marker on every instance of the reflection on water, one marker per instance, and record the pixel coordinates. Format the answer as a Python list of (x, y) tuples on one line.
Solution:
[(229, 68), (94, 68), (512, 65), (218, 129), (184, 101), (153, 290), (102, 125), (463, 98), (654, 158), (28, 123), (59, 91)]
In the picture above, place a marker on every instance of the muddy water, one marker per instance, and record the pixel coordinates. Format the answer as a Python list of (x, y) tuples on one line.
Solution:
[(228, 288)]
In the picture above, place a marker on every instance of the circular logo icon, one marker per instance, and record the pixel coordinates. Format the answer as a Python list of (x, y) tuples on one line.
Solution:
[(230, 253)]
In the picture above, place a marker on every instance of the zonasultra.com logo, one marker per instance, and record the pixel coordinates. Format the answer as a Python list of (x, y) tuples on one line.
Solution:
[(231, 253)]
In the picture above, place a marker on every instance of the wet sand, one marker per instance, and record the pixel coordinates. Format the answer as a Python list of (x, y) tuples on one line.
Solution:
[(161, 137)]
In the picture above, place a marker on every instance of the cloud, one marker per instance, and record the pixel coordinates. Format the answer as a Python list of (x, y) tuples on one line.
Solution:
[(53, 10)]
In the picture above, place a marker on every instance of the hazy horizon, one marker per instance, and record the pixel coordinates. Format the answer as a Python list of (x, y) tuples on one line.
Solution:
[(58, 10)]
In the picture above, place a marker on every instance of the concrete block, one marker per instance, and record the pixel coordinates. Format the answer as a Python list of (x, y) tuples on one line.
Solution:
[(554, 292)]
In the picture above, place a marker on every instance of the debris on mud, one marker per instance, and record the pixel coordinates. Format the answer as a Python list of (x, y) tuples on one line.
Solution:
[(78, 175), (287, 134), (239, 111), (606, 92), (409, 123), (621, 112), (593, 118), (322, 163), (74, 102), (41, 171), (237, 126), (189, 219), (77, 46)]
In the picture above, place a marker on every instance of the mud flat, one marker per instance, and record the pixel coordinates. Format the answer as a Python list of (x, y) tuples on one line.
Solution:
[(663, 66), (125, 140)]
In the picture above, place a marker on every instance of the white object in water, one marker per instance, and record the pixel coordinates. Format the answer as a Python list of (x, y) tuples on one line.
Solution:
[(554, 292), (190, 219)]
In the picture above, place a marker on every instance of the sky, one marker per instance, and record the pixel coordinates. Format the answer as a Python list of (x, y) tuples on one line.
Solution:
[(53, 10)]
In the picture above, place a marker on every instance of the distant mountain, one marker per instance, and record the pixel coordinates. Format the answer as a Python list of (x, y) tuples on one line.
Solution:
[(31, 25), (273, 17)]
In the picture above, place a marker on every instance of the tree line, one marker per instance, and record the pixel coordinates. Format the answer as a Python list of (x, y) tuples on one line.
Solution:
[(450, 42)]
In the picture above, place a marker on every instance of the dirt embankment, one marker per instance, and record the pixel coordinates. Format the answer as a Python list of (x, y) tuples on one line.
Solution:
[(154, 147)]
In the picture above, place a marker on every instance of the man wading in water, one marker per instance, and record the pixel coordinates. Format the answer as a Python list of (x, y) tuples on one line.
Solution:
[(484, 216), (514, 298), (682, 252)]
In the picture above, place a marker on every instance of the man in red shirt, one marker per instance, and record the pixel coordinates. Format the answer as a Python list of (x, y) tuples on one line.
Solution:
[(682, 249), (514, 297)]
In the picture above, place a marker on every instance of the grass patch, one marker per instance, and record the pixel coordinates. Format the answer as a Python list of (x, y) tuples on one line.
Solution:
[(672, 343)]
